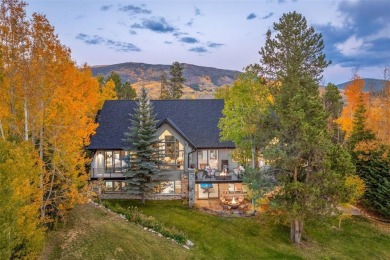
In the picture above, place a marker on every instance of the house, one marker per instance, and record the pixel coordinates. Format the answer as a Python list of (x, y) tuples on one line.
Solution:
[(190, 138)]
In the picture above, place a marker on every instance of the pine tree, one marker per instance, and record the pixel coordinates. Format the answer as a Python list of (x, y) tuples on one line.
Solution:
[(176, 81), (164, 89), (127, 92), (333, 105), (124, 90), (144, 149), (359, 130), (372, 162), (300, 147)]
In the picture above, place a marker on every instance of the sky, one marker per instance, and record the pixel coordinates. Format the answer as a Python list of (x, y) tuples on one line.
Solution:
[(226, 34)]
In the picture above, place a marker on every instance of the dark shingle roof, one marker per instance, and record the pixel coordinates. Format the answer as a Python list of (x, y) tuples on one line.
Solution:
[(196, 120)]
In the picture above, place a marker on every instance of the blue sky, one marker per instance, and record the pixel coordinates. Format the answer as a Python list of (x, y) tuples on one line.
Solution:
[(224, 34)]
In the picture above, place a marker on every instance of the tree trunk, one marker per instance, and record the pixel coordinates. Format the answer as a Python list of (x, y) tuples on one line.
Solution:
[(2, 131), (296, 230), (41, 177), (253, 154), (25, 119)]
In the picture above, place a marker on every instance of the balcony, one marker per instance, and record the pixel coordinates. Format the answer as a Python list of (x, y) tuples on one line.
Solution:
[(98, 173), (119, 173), (203, 176)]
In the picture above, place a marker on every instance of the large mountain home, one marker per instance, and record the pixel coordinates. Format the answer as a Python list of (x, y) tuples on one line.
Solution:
[(196, 164)]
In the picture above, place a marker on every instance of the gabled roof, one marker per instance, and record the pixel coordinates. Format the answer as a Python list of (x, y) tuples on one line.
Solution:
[(195, 119)]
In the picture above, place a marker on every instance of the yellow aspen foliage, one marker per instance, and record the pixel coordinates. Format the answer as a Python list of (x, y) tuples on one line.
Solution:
[(48, 100), (107, 92), (352, 93), (22, 234)]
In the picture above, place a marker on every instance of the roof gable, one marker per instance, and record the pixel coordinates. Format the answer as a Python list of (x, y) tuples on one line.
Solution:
[(196, 120)]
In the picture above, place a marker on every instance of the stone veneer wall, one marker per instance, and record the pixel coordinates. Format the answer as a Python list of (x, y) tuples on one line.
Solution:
[(184, 185)]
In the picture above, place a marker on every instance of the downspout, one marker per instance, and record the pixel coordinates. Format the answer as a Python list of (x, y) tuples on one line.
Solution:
[(188, 157)]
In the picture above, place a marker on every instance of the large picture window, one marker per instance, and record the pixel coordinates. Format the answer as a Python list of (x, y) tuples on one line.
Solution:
[(171, 151), (114, 161)]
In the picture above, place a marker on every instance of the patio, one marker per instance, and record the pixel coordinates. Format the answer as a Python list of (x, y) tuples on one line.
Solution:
[(215, 205)]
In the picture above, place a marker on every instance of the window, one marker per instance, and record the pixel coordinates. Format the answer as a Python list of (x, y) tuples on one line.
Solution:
[(171, 151), (115, 161), (213, 154), (168, 187), (114, 186)]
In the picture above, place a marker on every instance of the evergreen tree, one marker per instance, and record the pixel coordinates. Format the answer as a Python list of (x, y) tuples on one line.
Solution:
[(144, 159), (333, 104), (124, 90), (372, 163), (176, 81), (164, 89), (300, 148), (359, 130), (127, 91)]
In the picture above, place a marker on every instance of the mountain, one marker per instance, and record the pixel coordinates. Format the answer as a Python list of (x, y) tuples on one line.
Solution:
[(201, 82), (370, 85)]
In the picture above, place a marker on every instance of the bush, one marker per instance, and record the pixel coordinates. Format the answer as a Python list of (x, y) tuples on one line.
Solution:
[(133, 214)]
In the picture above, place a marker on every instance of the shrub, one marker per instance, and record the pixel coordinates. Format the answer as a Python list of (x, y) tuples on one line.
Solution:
[(133, 214)]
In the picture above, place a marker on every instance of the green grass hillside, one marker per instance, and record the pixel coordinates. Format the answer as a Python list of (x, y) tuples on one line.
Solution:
[(92, 233)]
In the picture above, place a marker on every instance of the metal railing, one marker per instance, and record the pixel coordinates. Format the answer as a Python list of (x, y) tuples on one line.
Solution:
[(120, 172)]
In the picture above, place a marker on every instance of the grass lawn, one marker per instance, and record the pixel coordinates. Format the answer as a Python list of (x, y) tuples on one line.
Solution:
[(257, 238), (92, 233)]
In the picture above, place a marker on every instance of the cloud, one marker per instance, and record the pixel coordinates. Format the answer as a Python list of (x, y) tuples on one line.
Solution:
[(106, 7), (215, 45), (197, 11), (190, 22), (168, 42), (366, 16), (363, 39), (267, 16), (90, 40), (189, 40), (251, 16), (281, 1), (158, 25), (177, 33), (116, 45), (133, 10), (198, 49)]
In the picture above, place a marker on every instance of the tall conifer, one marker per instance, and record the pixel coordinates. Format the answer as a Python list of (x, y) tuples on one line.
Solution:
[(144, 149), (176, 81), (300, 148)]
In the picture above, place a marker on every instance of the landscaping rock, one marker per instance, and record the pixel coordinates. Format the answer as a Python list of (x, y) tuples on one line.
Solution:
[(189, 243)]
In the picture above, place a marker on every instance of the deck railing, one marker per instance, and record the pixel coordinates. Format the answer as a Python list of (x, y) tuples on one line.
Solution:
[(120, 172)]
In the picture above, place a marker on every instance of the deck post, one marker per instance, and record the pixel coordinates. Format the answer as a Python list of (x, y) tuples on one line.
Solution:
[(191, 188)]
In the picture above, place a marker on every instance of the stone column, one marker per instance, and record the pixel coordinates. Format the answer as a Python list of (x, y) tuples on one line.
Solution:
[(191, 188)]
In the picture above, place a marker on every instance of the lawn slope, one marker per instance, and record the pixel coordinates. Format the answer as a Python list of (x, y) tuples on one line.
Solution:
[(92, 233), (259, 238)]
